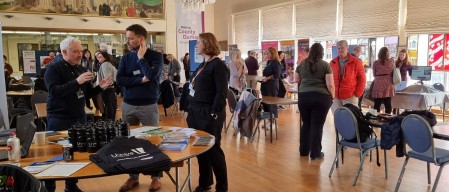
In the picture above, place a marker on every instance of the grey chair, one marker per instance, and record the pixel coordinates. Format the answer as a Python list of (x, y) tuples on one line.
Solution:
[(232, 103), (347, 127), (439, 86), (39, 97), (418, 136)]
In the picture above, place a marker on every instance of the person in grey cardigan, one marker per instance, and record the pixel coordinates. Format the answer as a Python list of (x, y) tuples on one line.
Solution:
[(175, 68)]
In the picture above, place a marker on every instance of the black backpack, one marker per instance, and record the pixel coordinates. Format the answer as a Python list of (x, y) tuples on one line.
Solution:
[(365, 131)]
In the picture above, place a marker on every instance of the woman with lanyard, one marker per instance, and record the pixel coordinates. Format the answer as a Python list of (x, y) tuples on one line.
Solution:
[(270, 79), (207, 111)]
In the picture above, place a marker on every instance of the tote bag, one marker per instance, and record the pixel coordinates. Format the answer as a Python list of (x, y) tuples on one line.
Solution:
[(396, 76)]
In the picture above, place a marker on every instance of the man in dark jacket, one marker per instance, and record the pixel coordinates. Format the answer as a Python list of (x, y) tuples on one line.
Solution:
[(139, 73), (68, 84)]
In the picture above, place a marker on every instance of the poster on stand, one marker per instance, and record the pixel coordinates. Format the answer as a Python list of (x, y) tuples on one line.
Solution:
[(364, 56), (265, 46), (302, 44), (188, 27), (392, 44), (372, 51), (288, 47), (329, 45), (195, 59), (29, 62), (412, 49), (436, 43)]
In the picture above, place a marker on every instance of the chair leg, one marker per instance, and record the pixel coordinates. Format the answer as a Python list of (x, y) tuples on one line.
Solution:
[(360, 167), (339, 148), (434, 188), (402, 174), (276, 127), (254, 133), (386, 164), (230, 121), (428, 174)]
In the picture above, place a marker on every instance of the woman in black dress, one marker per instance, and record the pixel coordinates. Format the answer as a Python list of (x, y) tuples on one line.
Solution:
[(270, 79)]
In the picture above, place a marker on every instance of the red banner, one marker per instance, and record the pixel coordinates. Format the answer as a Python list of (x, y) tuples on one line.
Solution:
[(436, 43)]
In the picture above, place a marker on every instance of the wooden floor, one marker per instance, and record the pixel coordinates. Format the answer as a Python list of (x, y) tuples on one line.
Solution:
[(264, 166)]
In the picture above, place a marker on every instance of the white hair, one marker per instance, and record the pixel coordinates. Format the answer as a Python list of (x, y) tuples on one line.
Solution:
[(65, 44), (342, 43)]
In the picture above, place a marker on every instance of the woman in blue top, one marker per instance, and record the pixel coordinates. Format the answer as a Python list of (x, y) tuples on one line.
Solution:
[(316, 91)]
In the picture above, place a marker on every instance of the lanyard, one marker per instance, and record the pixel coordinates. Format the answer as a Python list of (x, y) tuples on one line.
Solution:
[(199, 72)]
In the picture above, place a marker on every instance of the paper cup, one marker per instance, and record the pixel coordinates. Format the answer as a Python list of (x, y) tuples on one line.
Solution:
[(39, 138)]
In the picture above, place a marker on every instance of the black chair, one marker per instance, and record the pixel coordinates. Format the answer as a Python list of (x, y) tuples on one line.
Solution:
[(439, 86), (23, 181), (39, 97)]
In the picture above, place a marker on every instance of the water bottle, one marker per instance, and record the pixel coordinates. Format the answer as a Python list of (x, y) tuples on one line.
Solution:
[(13, 144)]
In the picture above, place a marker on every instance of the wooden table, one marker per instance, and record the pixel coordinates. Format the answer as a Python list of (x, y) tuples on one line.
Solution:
[(276, 101), (441, 131), (28, 92), (50, 150)]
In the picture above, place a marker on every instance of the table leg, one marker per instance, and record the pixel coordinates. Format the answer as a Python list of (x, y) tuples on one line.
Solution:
[(271, 123)]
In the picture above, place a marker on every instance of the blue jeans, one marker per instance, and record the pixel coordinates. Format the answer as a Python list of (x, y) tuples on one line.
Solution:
[(59, 124)]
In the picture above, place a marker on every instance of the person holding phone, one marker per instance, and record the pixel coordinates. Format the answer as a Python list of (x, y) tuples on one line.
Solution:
[(68, 84), (138, 73)]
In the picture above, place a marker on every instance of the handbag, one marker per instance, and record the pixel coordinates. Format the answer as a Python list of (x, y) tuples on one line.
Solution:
[(396, 76), (368, 92)]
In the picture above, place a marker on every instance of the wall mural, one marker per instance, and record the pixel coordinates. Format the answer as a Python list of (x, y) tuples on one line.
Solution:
[(151, 9)]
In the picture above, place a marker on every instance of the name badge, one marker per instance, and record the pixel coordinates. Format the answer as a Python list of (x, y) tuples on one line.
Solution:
[(191, 92), (80, 93), (136, 72)]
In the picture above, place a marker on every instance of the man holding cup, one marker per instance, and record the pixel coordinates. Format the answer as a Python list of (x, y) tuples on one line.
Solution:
[(68, 83)]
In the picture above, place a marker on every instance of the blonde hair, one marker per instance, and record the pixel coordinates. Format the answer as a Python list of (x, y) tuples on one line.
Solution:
[(171, 56), (236, 55), (274, 53)]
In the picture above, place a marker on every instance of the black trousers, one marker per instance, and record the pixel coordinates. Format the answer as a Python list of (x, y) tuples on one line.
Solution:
[(212, 161), (110, 103), (314, 107), (386, 101)]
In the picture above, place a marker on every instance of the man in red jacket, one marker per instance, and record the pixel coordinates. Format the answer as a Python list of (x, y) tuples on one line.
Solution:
[(349, 77)]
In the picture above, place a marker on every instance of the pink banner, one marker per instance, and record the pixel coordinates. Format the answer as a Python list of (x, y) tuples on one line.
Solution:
[(265, 46), (436, 43)]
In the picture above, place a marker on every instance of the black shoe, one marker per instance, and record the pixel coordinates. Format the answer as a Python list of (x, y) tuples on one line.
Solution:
[(201, 189), (319, 157)]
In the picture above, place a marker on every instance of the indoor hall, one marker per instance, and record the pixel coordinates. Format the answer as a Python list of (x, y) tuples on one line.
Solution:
[(254, 25)]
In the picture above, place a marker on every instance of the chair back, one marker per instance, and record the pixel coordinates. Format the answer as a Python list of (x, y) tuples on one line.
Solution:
[(439, 86), (38, 97), (345, 123), (232, 100), (21, 179), (417, 133)]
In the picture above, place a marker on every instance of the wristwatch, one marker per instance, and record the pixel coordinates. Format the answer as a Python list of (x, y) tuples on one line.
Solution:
[(215, 116)]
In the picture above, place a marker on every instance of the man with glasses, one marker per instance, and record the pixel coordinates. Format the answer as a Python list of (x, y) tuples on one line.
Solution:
[(68, 84)]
